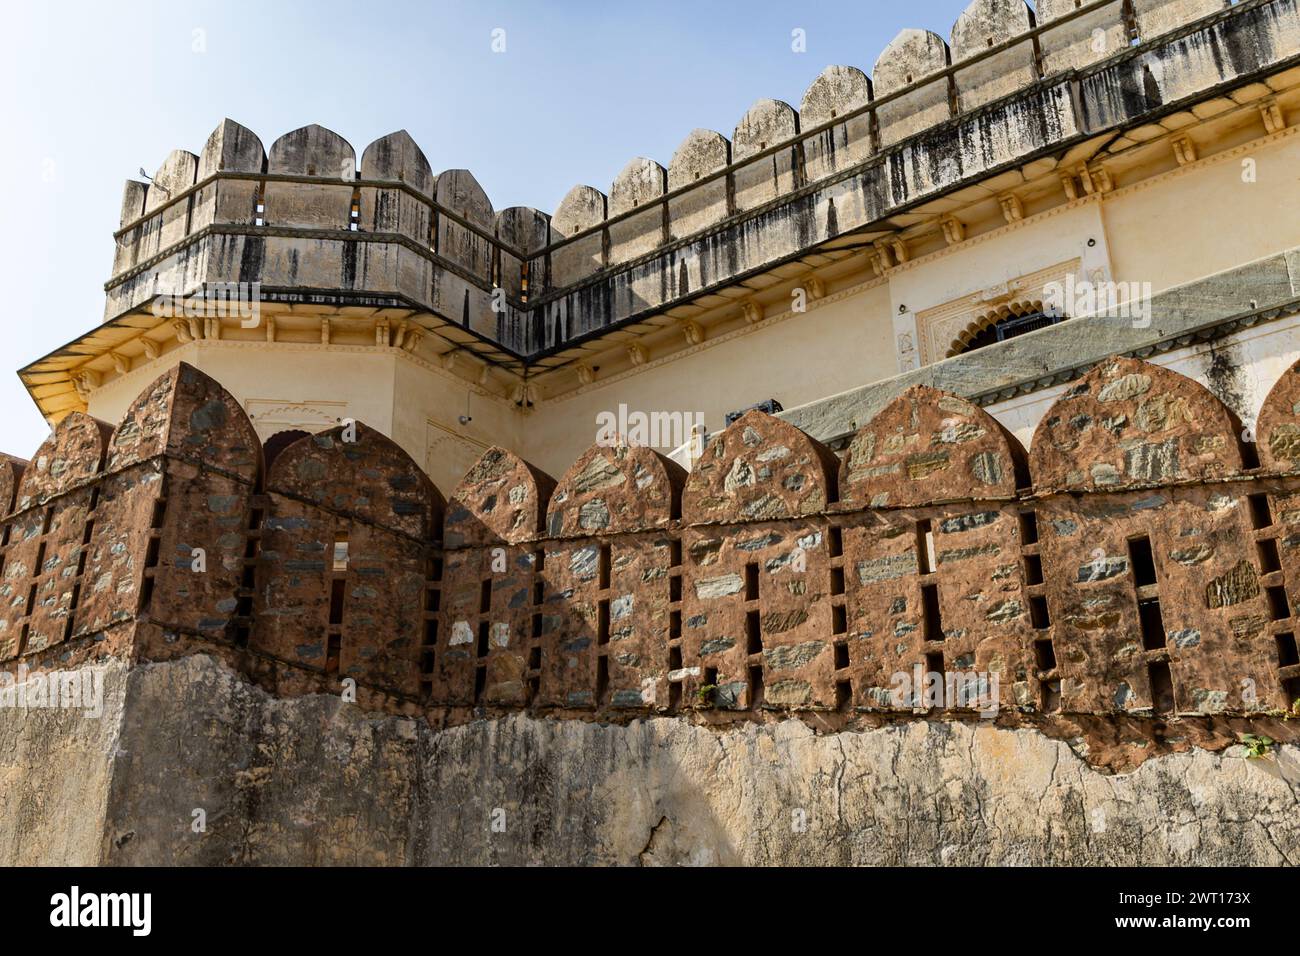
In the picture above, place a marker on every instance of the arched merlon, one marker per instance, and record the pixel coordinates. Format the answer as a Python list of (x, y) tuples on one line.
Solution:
[(356, 471), (983, 25), (701, 153), (1131, 424), (397, 158), (1277, 428), (612, 489), (837, 91), (760, 468), (73, 454), (189, 415), (502, 499), (312, 151), (11, 473), (638, 183), (766, 124), (904, 64), (929, 446)]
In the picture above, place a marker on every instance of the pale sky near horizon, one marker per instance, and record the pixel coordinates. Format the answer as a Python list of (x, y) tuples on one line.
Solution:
[(95, 91)]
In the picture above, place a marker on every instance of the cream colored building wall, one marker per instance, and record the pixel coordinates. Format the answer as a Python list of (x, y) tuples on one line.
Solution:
[(795, 359), (980, 266), (1198, 221), (426, 420)]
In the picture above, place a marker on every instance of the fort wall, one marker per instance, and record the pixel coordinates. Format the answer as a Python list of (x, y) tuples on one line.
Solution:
[(934, 115), (1137, 561)]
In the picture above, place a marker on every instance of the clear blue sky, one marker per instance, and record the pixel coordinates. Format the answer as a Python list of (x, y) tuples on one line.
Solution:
[(93, 91)]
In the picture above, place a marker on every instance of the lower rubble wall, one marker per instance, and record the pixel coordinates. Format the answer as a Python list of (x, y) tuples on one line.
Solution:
[(56, 768), (311, 780)]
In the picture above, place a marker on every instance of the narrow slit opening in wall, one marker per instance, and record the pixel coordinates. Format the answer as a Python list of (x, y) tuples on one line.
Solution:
[(334, 650), (426, 661), (1162, 687), (933, 630), (481, 647), (430, 633), (841, 655), (89, 532), (753, 635), (1287, 652), (433, 599), (933, 664), (675, 553), (534, 658), (336, 600), (146, 592), (533, 688), (485, 596), (675, 588), (711, 677), (837, 580), (159, 509), (674, 658), (751, 582), (602, 679), (674, 695), (1141, 561), (674, 625), (31, 600), (1152, 624), (1038, 615), (839, 619), (843, 695), (1249, 455), (1033, 569), (539, 561), (1278, 606), (924, 547), (539, 590), (1269, 561), (38, 567), (341, 551), (437, 569), (1050, 696), (1028, 527), (602, 622), (1045, 655), (72, 617), (1291, 688), (835, 537), (537, 627), (1261, 516), (755, 685), (604, 564), (480, 682)]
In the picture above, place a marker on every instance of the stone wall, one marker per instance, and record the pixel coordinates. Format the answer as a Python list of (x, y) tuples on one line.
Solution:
[(1137, 562)]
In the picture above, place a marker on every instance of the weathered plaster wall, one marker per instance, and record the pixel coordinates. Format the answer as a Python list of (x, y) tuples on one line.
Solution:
[(56, 771), (314, 781)]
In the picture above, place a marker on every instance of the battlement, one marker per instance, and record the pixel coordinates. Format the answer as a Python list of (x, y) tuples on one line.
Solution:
[(1136, 561), (515, 287)]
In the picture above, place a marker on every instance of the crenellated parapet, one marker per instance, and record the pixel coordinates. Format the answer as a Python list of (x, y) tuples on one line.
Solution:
[(1008, 86), (1136, 562)]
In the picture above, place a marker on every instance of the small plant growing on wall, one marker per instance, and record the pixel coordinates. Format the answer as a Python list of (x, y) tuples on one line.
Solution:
[(1257, 745), (704, 696)]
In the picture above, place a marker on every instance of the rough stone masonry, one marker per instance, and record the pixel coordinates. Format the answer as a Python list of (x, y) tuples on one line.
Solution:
[(635, 664)]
